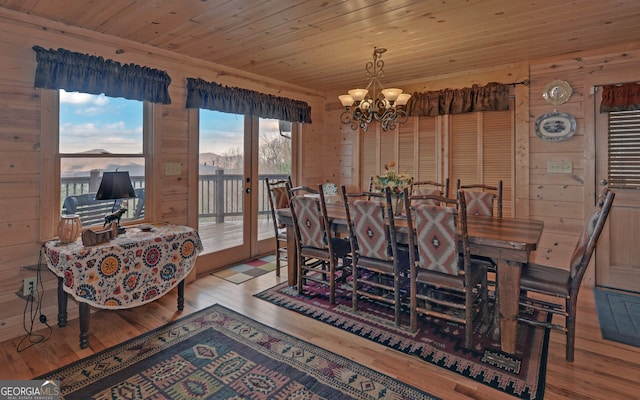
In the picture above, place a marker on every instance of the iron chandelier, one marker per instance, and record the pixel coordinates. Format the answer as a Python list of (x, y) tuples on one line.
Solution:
[(387, 106)]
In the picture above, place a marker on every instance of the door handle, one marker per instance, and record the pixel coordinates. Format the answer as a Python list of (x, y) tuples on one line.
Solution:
[(604, 182)]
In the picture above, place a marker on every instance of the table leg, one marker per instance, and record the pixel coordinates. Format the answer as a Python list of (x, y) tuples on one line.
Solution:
[(509, 284), (292, 257), (62, 304), (181, 295), (84, 324)]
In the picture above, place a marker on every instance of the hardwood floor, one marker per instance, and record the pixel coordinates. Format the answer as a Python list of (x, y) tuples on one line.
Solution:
[(602, 369)]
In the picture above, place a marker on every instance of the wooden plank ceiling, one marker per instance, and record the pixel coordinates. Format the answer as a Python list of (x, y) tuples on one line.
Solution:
[(323, 45)]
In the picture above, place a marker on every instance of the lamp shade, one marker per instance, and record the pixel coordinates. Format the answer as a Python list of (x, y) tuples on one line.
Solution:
[(115, 185)]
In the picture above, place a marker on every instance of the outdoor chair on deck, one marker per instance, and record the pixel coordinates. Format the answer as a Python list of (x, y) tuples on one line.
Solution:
[(278, 198), (445, 282), (318, 252), (376, 262), (556, 289)]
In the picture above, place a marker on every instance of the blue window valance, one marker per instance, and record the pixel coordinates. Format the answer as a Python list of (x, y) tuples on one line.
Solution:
[(77, 72), (213, 96)]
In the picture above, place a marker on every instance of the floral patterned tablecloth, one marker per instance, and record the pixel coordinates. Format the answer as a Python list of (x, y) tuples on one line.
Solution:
[(135, 268)]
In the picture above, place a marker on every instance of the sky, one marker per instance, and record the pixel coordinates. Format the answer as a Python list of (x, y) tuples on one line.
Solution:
[(89, 122)]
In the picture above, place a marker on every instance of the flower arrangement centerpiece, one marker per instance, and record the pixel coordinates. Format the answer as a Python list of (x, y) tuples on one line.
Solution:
[(394, 181)]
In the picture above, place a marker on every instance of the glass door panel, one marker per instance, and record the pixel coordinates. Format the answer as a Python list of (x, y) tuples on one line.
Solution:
[(274, 162), (221, 186)]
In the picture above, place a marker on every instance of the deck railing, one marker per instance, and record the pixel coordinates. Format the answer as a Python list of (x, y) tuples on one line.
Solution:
[(220, 195)]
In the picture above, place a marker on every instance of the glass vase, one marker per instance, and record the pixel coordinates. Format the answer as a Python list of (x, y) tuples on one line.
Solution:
[(397, 203)]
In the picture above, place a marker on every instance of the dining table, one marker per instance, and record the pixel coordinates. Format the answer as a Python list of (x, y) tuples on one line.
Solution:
[(508, 241)]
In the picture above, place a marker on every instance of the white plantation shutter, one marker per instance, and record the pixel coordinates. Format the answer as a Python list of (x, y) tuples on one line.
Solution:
[(624, 149), (479, 150)]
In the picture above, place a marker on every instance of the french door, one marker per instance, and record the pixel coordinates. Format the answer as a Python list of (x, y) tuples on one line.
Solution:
[(236, 152)]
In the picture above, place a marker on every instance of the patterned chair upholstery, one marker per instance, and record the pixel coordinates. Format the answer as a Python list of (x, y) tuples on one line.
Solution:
[(317, 251), (483, 199), (557, 289), (278, 198), (445, 283), (377, 262)]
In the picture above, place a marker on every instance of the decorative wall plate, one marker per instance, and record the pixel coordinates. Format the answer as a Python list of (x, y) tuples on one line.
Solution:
[(557, 92), (555, 126)]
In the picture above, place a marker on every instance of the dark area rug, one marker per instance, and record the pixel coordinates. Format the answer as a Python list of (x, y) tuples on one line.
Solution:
[(217, 353), (619, 315), (437, 341)]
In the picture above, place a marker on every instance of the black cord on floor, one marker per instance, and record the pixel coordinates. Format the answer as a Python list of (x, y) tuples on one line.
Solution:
[(33, 307)]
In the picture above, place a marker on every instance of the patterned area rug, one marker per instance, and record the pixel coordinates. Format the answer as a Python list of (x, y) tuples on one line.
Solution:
[(217, 353), (619, 315), (437, 341), (249, 270)]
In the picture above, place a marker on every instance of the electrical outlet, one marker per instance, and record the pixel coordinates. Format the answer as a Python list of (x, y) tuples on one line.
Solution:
[(30, 286)]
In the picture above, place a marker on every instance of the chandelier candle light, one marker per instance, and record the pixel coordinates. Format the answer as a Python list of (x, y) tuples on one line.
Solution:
[(387, 106)]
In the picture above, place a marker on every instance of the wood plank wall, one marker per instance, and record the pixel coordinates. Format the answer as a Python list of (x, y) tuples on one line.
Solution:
[(20, 140), (561, 200), (328, 153)]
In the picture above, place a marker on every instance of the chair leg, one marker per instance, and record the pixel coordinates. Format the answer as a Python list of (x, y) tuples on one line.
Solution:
[(354, 292), (570, 324), (396, 298), (300, 272), (468, 326), (277, 261), (496, 314), (485, 300), (332, 281)]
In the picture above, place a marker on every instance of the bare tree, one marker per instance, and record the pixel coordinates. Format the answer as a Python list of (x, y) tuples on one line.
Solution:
[(274, 155)]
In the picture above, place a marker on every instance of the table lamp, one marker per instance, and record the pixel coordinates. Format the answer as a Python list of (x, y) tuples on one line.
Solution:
[(115, 185)]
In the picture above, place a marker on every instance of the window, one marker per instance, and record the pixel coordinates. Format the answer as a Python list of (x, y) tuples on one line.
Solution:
[(97, 134), (90, 134)]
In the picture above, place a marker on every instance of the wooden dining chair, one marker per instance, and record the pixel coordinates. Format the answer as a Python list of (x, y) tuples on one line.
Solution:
[(317, 251), (556, 289), (430, 187), (482, 199), (444, 280), (485, 200), (376, 260), (278, 198)]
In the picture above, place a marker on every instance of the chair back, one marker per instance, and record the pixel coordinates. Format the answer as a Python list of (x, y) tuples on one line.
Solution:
[(309, 216), (278, 198), (430, 187), (482, 199), (437, 234), (367, 215), (588, 239)]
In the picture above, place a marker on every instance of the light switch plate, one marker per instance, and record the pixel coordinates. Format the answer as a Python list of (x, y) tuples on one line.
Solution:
[(559, 167), (172, 168)]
